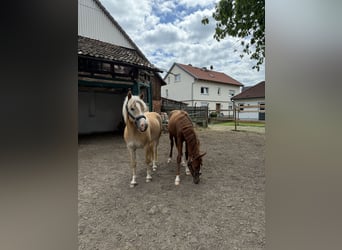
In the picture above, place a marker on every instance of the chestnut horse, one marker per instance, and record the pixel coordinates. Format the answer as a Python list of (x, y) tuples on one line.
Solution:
[(143, 130), (181, 129)]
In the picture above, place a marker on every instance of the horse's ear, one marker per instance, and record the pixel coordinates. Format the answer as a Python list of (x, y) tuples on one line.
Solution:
[(141, 96), (129, 94)]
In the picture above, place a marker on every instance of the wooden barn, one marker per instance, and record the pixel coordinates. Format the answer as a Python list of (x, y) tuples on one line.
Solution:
[(109, 63)]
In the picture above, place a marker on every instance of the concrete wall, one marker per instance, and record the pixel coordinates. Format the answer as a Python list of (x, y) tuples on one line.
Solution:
[(99, 112)]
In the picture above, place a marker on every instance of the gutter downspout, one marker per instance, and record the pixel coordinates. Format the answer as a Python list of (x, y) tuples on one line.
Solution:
[(192, 93)]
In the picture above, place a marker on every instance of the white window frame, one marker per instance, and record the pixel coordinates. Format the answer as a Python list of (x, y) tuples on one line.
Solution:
[(204, 90), (177, 77)]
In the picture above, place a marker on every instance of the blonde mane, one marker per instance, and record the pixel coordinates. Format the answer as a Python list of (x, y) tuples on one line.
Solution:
[(129, 102)]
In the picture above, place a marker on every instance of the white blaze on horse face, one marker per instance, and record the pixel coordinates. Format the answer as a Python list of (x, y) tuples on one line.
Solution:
[(137, 107), (142, 124)]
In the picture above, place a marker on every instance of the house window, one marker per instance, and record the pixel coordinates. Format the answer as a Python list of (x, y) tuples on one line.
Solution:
[(262, 106), (241, 105), (204, 90), (177, 77), (231, 92), (219, 91)]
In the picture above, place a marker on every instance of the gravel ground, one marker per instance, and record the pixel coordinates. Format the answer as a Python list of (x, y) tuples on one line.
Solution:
[(226, 210)]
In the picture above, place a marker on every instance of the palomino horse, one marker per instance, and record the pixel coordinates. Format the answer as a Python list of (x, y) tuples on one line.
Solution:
[(143, 130), (181, 129)]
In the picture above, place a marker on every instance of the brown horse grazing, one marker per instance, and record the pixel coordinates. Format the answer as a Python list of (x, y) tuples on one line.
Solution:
[(181, 129), (143, 130)]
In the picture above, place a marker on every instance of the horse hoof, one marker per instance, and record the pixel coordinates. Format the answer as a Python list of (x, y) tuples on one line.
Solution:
[(187, 172), (133, 185), (169, 160), (154, 168), (148, 180), (177, 183)]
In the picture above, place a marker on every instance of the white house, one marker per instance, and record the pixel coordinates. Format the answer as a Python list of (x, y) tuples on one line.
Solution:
[(200, 87), (251, 103)]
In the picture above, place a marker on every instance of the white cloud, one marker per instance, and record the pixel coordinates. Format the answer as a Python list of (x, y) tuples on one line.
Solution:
[(194, 3), (171, 31)]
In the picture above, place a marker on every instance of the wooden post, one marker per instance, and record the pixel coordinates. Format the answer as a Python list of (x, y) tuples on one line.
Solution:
[(234, 115)]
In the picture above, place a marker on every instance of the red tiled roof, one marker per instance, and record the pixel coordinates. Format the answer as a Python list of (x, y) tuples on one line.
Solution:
[(256, 91), (209, 75)]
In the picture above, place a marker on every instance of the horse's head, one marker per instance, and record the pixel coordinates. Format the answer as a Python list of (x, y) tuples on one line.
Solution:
[(194, 165), (133, 109)]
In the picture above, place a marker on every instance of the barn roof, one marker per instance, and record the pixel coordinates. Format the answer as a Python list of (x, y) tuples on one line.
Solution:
[(209, 75), (107, 51), (256, 91)]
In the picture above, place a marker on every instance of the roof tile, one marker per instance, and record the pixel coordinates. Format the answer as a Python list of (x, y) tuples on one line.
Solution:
[(256, 91), (99, 49), (209, 75)]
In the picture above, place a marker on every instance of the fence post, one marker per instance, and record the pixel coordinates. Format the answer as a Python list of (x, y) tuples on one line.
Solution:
[(234, 111), (206, 112)]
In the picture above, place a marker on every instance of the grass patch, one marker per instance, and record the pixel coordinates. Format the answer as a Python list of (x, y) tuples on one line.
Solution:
[(243, 124)]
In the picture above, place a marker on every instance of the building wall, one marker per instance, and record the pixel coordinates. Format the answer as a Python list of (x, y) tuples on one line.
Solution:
[(93, 23), (218, 94), (249, 113), (99, 112), (178, 90), (188, 90)]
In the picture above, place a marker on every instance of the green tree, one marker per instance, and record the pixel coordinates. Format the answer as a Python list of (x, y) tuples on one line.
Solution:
[(244, 19)]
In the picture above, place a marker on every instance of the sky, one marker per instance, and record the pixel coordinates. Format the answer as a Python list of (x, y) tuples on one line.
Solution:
[(169, 31)]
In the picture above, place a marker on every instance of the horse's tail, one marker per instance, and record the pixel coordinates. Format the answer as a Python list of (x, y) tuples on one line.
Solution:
[(160, 120)]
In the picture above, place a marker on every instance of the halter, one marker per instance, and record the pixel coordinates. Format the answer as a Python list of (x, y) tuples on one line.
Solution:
[(135, 118)]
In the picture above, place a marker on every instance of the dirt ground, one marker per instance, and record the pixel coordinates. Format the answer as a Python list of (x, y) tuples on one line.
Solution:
[(226, 210)]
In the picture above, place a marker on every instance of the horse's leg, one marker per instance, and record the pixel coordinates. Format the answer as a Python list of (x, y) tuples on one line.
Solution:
[(148, 160), (155, 155), (133, 166), (183, 157), (187, 171), (171, 147), (179, 158)]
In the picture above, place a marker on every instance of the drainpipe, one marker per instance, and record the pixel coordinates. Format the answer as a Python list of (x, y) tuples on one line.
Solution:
[(192, 93)]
